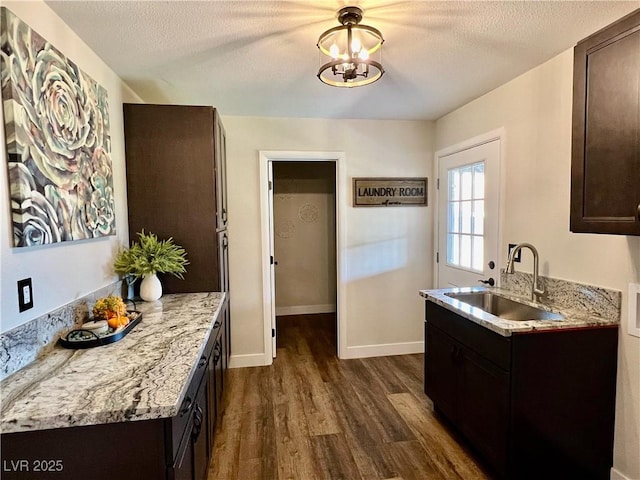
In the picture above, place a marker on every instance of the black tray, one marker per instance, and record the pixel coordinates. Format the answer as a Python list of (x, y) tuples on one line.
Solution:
[(99, 340)]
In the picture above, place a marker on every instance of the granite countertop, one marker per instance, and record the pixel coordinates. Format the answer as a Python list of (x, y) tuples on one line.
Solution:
[(573, 318), (143, 376)]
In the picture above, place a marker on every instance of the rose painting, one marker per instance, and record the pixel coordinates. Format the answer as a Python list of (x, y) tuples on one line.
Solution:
[(57, 137)]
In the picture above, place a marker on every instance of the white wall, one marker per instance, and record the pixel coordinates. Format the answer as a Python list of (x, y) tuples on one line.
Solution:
[(388, 251), (535, 110), (304, 237), (65, 271)]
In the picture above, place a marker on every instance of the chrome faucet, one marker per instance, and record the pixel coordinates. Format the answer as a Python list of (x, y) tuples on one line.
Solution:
[(536, 291)]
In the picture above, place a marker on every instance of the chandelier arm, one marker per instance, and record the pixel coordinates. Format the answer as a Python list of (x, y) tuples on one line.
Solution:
[(335, 63)]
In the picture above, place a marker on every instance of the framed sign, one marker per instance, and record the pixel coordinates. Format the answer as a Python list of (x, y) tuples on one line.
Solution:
[(389, 192)]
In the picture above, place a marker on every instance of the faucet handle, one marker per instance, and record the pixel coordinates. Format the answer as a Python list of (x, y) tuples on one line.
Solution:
[(490, 281)]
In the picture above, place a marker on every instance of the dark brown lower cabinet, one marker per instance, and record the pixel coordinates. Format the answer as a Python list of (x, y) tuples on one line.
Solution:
[(533, 405), (176, 448)]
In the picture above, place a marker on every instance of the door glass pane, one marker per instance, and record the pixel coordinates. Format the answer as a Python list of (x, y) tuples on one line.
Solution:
[(454, 185), (454, 217), (466, 183), (478, 217), (453, 250), (478, 180), (477, 254), (465, 217), (465, 251)]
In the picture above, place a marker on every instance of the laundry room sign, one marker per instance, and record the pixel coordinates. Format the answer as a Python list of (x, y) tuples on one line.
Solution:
[(389, 192)]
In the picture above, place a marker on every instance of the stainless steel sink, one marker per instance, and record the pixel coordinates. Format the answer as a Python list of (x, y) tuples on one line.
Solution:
[(503, 307)]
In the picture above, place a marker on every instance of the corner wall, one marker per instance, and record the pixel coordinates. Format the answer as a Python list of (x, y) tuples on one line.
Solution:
[(65, 271), (388, 253), (535, 110)]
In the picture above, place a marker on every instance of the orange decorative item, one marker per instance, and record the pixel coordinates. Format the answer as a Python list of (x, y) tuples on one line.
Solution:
[(118, 321)]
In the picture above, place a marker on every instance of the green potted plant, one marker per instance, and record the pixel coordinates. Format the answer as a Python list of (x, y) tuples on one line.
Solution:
[(148, 257)]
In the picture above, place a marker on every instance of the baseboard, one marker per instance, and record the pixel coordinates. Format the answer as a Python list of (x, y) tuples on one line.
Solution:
[(250, 360), (305, 309), (616, 475), (384, 350)]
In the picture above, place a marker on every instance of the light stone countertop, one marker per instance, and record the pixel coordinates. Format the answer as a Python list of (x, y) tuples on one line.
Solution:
[(573, 318), (143, 376)]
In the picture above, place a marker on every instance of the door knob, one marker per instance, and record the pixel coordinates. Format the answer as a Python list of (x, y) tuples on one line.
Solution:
[(491, 282)]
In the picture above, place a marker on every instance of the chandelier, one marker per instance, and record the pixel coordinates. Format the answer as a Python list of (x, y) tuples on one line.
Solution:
[(350, 54)]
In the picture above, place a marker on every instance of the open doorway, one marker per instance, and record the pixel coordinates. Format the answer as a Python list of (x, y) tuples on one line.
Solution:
[(306, 214), (304, 237)]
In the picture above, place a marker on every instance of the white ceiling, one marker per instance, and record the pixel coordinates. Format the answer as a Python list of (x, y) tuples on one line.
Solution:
[(260, 58)]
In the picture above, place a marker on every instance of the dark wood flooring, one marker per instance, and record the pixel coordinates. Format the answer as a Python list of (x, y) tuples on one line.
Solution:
[(312, 416)]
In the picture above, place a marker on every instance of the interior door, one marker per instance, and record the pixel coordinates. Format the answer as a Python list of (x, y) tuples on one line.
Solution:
[(468, 214), (272, 270)]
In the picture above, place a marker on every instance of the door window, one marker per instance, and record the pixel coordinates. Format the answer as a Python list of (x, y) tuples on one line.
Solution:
[(465, 217)]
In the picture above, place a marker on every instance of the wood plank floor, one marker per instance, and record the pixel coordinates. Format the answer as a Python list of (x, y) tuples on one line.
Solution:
[(311, 416)]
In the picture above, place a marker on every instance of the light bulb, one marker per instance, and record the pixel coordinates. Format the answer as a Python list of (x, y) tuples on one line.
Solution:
[(334, 52), (364, 54), (356, 45)]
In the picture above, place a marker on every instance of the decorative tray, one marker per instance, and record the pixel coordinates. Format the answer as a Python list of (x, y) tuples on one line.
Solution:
[(80, 338)]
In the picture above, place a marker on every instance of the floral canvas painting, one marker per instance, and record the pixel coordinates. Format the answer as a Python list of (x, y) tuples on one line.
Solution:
[(57, 137)]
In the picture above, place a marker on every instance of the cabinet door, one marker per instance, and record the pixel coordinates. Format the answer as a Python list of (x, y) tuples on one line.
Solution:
[(211, 398), (182, 468), (226, 343), (441, 376), (483, 410), (171, 186), (199, 434), (221, 172), (605, 176), (223, 252), (216, 386), (218, 354)]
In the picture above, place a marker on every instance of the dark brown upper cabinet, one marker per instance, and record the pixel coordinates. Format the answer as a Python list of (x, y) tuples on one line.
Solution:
[(605, 167), (176, 186)]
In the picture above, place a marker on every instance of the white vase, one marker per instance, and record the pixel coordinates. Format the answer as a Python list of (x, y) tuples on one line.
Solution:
[(150, 288)]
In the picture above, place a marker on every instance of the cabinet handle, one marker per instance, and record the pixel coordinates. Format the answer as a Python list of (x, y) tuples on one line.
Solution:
[(202, 362), (197, 422), (638, 213), (187, 404), (456, 353), (217, 351)]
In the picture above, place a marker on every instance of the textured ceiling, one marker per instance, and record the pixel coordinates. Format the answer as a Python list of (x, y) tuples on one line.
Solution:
[(260, 57)]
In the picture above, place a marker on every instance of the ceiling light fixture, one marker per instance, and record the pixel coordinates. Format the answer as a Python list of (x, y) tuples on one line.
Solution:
[(352, 52)]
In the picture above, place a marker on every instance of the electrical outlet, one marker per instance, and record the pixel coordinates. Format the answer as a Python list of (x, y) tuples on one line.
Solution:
[(25, 294), (517, 257)]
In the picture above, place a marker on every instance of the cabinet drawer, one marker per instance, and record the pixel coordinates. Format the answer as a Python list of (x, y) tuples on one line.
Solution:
[(490, 345)]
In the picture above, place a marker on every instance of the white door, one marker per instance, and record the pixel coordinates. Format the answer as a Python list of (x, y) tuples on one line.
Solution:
[(272, 261), (468, 213)]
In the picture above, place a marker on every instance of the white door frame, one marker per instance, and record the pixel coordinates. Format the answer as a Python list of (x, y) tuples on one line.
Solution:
[(266, 216), (497, 134)]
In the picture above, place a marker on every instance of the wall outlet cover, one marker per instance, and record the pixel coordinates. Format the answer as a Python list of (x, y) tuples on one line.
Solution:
[(518, 256), (25, 294)]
